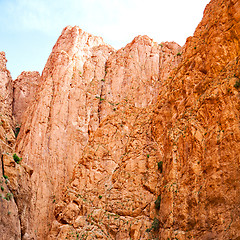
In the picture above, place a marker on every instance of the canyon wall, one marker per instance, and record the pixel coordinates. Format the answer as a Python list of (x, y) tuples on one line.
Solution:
[(24, 90), (83, 82), (196, 126), (8, 208), (139, 143), (15, 184), (168, 171)]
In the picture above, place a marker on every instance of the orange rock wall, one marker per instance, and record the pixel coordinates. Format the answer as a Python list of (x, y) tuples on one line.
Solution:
[(83, 82), (139, 143), (24, 90), (183, 150)]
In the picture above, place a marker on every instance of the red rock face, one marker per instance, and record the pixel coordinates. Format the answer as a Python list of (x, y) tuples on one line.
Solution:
[(170, 171), (24, 90), (6, 101), (78, 90), (139, 143), (196, 125), (15, 184), (55, 127), (9, 219), (135, 74), (6, 96)]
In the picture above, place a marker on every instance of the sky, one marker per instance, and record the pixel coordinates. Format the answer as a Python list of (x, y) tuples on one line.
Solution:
[(30, 28)]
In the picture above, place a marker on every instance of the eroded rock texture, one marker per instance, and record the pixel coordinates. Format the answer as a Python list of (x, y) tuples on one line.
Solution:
[(6, 99), (139, 143), (24, 90), (169, 171), (83, 82), (15, 184), (196, 126), (8, 208)]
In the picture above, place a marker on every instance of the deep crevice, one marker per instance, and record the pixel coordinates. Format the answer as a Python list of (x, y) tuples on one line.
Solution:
[(101, 94), (2, 165)]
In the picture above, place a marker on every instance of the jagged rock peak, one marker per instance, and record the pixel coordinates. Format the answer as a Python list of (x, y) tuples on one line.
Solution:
[(6, 92), (76, 31), (24, 90), (73, 39), (3, 60)]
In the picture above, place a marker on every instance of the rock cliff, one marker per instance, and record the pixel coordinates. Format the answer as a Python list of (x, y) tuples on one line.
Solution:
[(196, 126), (8, 208), (24, 90), (169, 171), (15, 184), (139, 143)]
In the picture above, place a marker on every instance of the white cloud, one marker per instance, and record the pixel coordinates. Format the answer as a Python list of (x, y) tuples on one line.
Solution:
[(114, 20)]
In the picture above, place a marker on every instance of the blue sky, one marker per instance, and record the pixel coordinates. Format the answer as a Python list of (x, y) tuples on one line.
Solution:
[(30, 28)]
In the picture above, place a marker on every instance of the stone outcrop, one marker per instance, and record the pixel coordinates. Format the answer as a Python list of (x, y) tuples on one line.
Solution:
[(7, 138), (139, 143), (9, 221), (78, 89), (24, 90), (169, 171), (196, 126), (15, 183), (6, 88)]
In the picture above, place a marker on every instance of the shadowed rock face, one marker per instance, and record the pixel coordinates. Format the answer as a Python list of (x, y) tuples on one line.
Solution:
[(196, 126), (9, 220), (15, 184), (83, 82), (170, 170)]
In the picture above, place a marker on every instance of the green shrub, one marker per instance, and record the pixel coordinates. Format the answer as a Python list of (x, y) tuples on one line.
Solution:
[(2, 188), (179, 54), (100, 196), (237, 84), (6, 177), (8, 196), (16, 158), (17, 130), (160, 166), (158, 202), (101, 99), (156, 224)]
